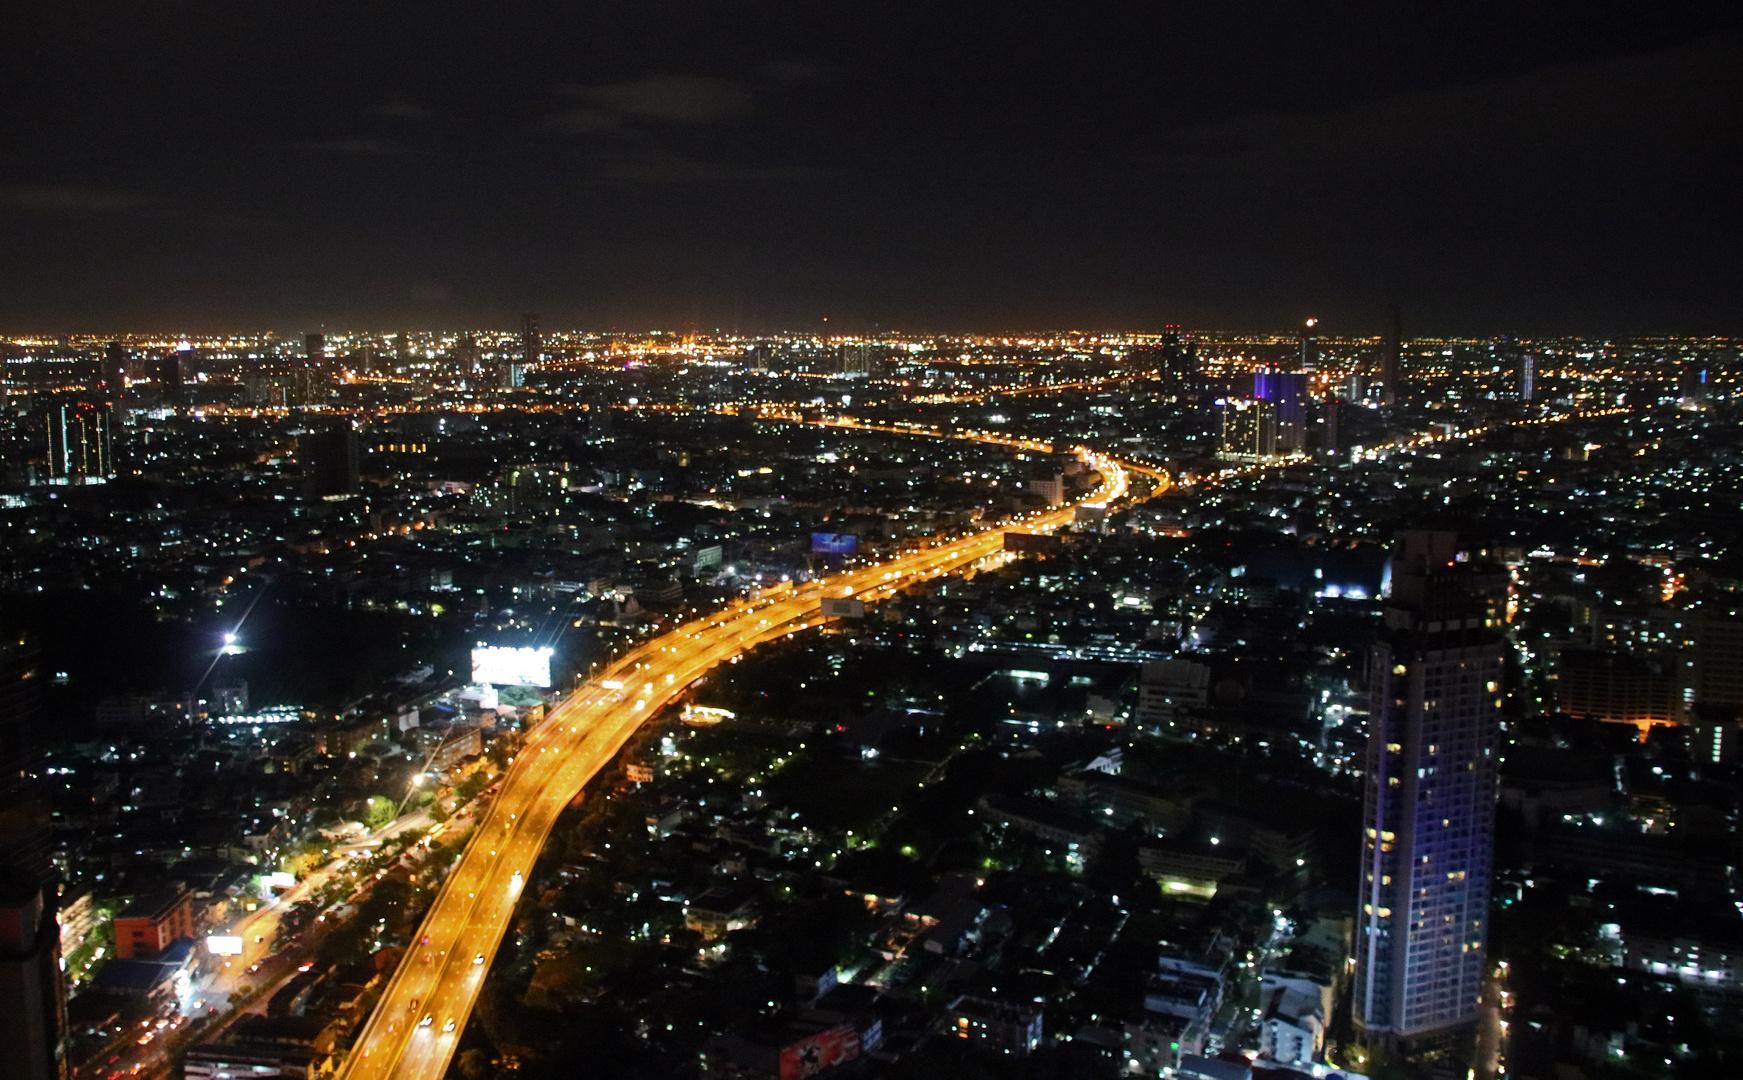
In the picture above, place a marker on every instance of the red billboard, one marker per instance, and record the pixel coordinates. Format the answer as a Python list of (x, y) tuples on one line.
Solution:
[(824, 1050)]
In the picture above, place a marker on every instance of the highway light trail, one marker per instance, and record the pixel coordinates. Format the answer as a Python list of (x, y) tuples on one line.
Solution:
[(415, 1029)]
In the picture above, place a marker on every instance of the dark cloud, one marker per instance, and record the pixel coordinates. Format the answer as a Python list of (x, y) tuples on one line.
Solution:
[(400, 110), (660, 168), (685, 99), (584, 121), (61, 199), (1666, 106), (799, 70), (364, 146)]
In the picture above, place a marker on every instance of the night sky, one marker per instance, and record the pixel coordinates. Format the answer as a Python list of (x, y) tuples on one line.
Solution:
[(1490, 167)]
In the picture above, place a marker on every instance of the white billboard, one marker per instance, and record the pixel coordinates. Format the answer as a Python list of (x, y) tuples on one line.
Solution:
[(223, 945), (503, 666)]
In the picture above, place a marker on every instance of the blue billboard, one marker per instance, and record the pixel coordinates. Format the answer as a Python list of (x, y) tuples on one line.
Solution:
[(834, 543)]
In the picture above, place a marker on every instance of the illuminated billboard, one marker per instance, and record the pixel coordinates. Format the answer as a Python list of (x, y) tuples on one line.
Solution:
[(499, 665), (834, 543), (839, 607), (815, 1053), (222, 945)]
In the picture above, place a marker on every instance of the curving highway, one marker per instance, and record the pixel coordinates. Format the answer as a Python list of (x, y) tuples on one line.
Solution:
[(414, 1029)]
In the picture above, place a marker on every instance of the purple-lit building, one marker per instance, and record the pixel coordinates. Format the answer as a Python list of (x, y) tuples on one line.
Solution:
[(1432, 766), (1287, 392)]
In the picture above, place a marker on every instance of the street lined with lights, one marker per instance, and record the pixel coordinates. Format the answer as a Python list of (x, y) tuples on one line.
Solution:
[(413, 1032)]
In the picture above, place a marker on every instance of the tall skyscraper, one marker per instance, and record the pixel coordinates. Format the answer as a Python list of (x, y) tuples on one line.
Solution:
[(1527, 374), (32, 1000), (1391, 346), (1309, 354), (1718, 666), (599, 425), (80, 445), (111, 372), (308, 382), (20, 703), (1332, 432), (854, 358), (303, 386), (330, 461), (1179, 359), (32, 997), (531, 344), (1287, 392), (172, 372), (466, 354), (1249, 430), (1434, 683)]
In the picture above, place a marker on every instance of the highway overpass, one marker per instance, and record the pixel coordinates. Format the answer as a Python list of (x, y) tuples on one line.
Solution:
[(416, 1026)]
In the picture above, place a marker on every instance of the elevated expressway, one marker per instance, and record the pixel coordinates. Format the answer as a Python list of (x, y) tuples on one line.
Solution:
[(413, 1031)]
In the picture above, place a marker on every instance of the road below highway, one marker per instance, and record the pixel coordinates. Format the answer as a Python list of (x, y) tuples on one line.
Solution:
[(416, 1027)]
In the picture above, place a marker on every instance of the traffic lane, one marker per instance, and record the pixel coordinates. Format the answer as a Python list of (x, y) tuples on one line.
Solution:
[(412, 982), (478, 867), (431, 1041)]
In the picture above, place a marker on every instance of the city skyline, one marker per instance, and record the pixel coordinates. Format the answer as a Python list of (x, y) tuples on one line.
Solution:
[(516, 584), (732, 540)]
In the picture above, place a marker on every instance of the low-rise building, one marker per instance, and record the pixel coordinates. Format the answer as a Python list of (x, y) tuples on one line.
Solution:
[(457, 747), (257, 1061), (1188, 869), (1705, 953), (1168, 687), (149, 925), (1193, 1067), (1003, 1027), (1078, 834), (1293, 1014), (1124, 800), (721, 910), (1150, 1044), (793, 1045), (159, 980)]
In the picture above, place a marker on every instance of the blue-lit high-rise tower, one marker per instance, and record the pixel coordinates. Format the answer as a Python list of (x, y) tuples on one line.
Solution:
[(1429, 814), (1287, 391)]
